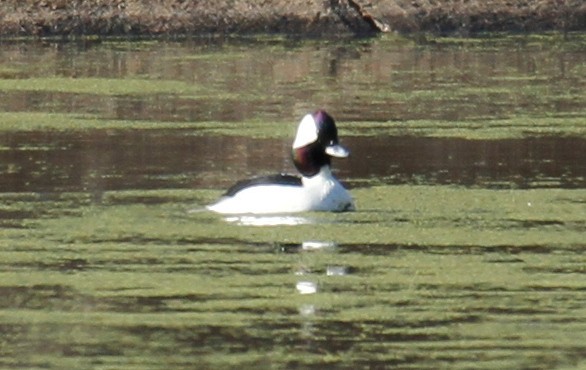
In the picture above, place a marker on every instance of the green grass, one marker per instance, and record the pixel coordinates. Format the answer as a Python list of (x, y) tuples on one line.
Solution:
[(419, 215), (433, 268), (481, 129), (106, 86)]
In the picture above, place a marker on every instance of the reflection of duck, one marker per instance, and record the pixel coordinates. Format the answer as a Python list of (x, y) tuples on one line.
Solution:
[(317, 190)]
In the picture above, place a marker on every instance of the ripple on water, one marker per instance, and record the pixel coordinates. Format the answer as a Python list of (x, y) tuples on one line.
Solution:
[(467, 249)]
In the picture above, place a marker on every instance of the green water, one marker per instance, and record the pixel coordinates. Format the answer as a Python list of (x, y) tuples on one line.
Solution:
[(466, 251)]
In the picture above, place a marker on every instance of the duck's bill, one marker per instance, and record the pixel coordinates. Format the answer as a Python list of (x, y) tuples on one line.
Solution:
[(337, 151)]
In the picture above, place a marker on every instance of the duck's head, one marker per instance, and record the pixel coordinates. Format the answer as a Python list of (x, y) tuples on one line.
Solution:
[(315, 143)]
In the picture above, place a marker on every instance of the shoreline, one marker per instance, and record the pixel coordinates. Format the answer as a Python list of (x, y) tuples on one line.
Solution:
[(311, 18)]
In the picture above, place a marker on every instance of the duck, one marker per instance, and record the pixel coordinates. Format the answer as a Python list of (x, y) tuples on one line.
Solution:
[(314, 189)]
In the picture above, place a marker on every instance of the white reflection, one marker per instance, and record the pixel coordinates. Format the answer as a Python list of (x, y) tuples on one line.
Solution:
[(317, 245), (337, 270), (303, 270), (250, 220), (306, 287), (307, 313), (307, 310)]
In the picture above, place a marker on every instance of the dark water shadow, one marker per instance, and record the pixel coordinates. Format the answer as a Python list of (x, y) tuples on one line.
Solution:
[(102, 160)]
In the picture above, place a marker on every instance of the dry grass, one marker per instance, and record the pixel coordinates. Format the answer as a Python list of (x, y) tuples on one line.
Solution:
[(147, 17), (495, 15)]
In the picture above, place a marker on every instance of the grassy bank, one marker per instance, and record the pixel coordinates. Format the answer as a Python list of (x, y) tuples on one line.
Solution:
[(313, 18)]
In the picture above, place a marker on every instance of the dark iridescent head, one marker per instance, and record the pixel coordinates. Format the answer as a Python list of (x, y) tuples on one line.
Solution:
[(316, 142)]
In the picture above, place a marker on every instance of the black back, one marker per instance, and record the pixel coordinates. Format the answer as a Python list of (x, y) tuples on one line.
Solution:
[(278, 179)]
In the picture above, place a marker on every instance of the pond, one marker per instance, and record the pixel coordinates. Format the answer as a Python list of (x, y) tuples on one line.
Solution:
[(467, 166)]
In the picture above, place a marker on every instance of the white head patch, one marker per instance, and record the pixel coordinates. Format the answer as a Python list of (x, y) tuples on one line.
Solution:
[(306, 132)]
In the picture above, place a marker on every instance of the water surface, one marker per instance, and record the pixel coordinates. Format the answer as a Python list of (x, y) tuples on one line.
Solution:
[(467, 166)]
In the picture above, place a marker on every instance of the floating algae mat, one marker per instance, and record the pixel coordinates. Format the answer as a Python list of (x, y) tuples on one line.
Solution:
[(423, 268), (467, 167)]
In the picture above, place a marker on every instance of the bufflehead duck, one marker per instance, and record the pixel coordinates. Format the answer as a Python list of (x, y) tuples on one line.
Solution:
[(316, 190)]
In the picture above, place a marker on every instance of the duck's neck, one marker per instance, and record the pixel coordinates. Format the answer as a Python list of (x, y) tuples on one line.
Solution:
[(310, 159), (324, 173)]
